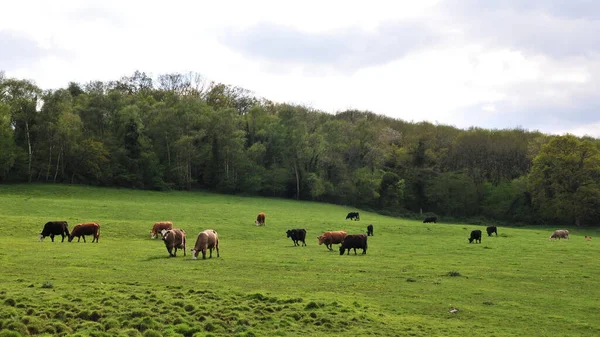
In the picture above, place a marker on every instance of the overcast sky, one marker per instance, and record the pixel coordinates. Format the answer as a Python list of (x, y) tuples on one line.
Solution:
[(489, 63)]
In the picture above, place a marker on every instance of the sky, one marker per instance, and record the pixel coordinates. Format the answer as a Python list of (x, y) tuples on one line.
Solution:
[(495, 64)]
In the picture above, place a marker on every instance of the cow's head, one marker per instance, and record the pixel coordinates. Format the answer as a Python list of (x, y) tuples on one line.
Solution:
[(194, 254), (342, 250), (289, 233), (152, 234), (42, 237), (321, 239)]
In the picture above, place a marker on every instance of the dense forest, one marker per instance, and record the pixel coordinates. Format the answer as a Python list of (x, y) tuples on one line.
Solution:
[(179, 131)]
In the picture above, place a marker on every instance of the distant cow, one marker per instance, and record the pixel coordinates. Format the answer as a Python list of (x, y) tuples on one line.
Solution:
[(430, 219), (52, 228), (353, 242), (159, 226), (88, 228), (370, 230), (329, 238), (475, 235), (353, 216), (491, 230), (588, 238), (207, 240), (297, 234), (560, 234), (174, 239), (260, 219)]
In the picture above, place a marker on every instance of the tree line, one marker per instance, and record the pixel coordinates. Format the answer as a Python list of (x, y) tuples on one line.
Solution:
[(179, 131)]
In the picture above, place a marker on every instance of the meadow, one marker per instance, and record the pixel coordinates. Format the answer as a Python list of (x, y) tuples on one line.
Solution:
[(516, 284)]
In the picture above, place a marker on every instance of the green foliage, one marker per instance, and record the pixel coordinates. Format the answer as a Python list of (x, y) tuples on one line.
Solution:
[(565, 181), (179, 132)]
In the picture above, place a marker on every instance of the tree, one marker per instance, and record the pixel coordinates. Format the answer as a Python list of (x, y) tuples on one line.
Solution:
[(565, 181), (7, 144)]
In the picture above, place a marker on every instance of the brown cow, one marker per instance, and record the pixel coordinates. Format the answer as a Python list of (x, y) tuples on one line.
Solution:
[(329, 238), (83, 229), (588, 238), (159, 226), (207, 240), (174, 238), (260, 219)]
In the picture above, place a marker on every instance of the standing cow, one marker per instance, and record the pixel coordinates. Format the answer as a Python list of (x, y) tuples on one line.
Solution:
[(430, 219), (297, 234), (491, 230), (207, 240), (174, 239), (475, 236), (560, 234), (260, 219), (88, 228), (158, 227), (353, 216), (53, 228), (370, 230), (329, 238), (353, 242)]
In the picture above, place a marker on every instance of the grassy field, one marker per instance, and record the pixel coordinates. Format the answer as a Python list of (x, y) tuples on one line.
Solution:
[(516, 284)]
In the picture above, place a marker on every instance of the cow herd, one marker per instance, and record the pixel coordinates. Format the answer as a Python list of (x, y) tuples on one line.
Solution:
[(208, 240)]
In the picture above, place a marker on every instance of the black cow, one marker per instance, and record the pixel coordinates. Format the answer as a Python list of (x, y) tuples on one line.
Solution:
[(370, 230), (354, 241), (491, 230), (353, 216), (430, 219), (55, 228), (475, 235), (297, 234)]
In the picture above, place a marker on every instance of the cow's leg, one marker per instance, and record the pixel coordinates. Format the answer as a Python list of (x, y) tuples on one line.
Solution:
[(354, 250), (52, 237), (83, 236)]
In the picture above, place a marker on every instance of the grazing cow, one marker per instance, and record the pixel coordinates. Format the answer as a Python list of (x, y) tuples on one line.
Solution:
[(491, 230), (353, 216), (83, 229), (207, 240), (370, 230), (475, 235), (55, 228), (158, 228), (588, 238), (260, 219), (354, 241), (297, 234), (329, 238), (430, 219), (560, 234), (174, 239)]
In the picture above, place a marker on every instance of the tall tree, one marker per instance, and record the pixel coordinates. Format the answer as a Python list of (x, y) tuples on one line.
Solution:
[(565, 181)]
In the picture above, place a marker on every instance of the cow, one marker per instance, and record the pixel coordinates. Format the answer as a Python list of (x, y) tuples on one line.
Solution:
[(353, 242), (560, 234), (53, 228), (370, 230), (476, 236), (353, 216), (159, 226), (491, 230), (588, 238), (260, 219), (207, 240), (329, 238), (174, 239), (297, 234), (430, 219), (83, 229)]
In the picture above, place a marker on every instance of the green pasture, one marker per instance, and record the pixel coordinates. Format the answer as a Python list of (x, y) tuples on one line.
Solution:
[(516, 284)]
